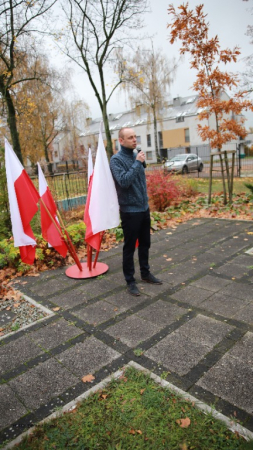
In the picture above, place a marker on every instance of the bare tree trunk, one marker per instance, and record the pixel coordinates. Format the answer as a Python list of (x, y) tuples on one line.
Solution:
[(12, 122), (223, 179), (109, 149), (156, 139), (210, 179)]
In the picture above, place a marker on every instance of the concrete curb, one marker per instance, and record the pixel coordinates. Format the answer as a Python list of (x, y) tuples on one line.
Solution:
[(231, 425)]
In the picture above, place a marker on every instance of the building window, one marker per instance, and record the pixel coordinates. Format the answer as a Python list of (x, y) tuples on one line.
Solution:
[(160, 139), (138, 139), (149, 156), (55, 154), (187, 135), (148, 140), (180, 119)]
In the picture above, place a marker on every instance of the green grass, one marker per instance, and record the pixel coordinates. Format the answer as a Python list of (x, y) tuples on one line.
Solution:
[(239, 185), (134, 412)]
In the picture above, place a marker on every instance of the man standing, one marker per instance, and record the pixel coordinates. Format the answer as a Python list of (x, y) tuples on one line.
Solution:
[(130, 181)]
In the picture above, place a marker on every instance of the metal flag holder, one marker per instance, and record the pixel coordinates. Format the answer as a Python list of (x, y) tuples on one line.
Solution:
[(79, 270), (89, 269)]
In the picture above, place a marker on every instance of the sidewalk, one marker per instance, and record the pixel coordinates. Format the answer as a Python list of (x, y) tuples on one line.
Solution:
[(197, 326)]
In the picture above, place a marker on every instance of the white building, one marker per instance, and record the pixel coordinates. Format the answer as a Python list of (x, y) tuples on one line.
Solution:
[(176, 127)]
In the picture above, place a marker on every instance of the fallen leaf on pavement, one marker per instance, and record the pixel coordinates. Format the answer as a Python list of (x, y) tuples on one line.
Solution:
[(88, 378)]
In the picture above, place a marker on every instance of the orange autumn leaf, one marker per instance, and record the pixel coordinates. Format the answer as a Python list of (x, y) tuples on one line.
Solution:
[(56, 308), (131, 431), (88, 378), (184, 423)]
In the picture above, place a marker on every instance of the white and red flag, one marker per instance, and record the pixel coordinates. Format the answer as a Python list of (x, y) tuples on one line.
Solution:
[(50, 227), (102, 207), (23, 199)]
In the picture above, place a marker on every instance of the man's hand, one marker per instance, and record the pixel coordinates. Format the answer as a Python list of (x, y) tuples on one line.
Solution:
[(140, 156)]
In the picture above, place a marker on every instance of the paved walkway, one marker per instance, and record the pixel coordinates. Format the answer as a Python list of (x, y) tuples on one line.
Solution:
[(197, 326)]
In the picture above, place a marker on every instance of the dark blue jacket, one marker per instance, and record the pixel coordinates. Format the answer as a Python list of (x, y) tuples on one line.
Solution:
[(130, 181)]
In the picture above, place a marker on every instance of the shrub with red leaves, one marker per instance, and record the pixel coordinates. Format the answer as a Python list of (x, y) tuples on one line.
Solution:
[(162, 189)]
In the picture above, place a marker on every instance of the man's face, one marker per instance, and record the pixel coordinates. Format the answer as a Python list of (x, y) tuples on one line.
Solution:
[(128, 139)]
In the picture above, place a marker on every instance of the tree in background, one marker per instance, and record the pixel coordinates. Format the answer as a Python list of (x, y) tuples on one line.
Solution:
[(5, 218), (38, 108), (74, 114), (205, 55), (147, 78), (97, 28), (18, 22)]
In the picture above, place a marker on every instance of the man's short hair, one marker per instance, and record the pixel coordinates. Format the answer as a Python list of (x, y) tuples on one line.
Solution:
[(122, 131)]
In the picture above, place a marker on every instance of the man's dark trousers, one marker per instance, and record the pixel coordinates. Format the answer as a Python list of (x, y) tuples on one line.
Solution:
[(135, 226)]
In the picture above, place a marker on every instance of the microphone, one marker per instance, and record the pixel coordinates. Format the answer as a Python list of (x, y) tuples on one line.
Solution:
[(138, 148)]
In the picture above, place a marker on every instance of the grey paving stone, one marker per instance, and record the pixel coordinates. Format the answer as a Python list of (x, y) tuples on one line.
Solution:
[(231, 247), (42, 383), (162, 313), (205, 330), (71, 298), (224, 305), (177, 276), (152, 290), (87, 357), (133, 330), (55, 334), (183, 349), (100, 286), (11, 409), (17, 352), (125, 300), (232, 380), (98, 312), (192, 295), (177, 353), (243, 349), (242, 260), (159, 263), (211, 283), (238, 290), (232, 270), (114, 263), (52, 286), (245, 314)]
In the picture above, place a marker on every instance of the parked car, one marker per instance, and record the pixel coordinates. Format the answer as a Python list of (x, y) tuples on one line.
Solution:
[(184, 163)]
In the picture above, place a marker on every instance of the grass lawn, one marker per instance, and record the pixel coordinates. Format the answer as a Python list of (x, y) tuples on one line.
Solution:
[(133, 412), (239, 185)]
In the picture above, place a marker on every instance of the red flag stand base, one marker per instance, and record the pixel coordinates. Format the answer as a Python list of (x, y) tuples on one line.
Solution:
[(75, 272)]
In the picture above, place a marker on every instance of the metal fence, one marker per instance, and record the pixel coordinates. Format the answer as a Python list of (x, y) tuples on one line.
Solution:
[(243, 160), (69, 190)]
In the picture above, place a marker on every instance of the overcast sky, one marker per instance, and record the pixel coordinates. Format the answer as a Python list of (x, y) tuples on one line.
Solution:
[(227, 18)]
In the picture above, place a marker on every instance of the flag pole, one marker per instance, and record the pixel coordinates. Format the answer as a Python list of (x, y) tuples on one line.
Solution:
[(68, 240), (97, 253), (69, 243)]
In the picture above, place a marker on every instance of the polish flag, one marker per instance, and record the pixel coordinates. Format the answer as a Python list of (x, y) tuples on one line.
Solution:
[(51, 230), (23, 199), (102, 207)]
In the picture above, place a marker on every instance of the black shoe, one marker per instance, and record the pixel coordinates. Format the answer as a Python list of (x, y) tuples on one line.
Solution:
[(151, 279), (133, 290)]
